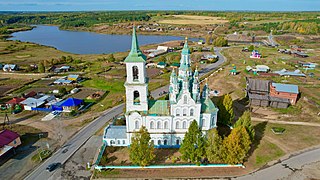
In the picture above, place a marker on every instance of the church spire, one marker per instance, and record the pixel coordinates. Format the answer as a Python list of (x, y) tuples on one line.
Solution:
[(135, 54)]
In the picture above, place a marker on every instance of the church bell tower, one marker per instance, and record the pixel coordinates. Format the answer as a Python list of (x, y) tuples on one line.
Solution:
[(136, 83)]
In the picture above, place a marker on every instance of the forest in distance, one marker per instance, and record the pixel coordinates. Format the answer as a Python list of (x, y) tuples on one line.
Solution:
[(307, 23)]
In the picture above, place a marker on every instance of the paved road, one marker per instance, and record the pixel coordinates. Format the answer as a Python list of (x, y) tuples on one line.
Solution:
[(85, 133), (74, 143), (283, 169)]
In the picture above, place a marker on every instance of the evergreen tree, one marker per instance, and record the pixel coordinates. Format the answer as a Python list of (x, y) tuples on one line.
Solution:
[(236, 146), (251, 48), (193, 144), (225, 114), (214, 148), (141, 149), (245, 121), (41, 68)]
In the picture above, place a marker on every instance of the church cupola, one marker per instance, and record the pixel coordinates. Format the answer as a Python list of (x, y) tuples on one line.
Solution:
[(196, 86), (185, 69)]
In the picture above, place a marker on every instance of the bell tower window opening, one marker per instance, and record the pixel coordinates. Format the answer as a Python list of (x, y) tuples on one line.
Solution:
[(136, 98), (135, 73)]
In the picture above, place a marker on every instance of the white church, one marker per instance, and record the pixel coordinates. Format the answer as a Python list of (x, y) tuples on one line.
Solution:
[(167, 121)]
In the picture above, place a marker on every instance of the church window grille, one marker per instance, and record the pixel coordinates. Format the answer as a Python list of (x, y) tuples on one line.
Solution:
[(135, 73), (191, 112), (166, 125), (136, 98), (184, 112), (178, 112), (184, 125), (158, 125), (136, 125), (151, 125), (185, 99), (177, 125)]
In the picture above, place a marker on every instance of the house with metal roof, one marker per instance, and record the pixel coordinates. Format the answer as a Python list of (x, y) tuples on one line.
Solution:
[(10, 67), (8, 140), (285, 72), (70, 104), (267, 93), (167, 121)]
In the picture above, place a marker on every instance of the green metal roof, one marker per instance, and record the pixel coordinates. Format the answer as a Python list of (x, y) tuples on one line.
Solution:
[(207, 106), (159, 107), (135, 54), (162, 63)]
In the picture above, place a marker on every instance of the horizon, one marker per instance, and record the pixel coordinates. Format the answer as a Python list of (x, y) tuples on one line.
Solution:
[(177, 5)]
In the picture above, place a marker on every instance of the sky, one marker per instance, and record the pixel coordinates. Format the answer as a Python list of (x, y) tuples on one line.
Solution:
[(219, 5)]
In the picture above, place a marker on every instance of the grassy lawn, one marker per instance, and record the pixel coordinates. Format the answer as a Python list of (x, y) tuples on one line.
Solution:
[(267, 152)]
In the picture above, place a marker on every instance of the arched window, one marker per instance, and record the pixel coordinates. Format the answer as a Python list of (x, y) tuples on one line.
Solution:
[(165, 142), (112, 142), (178, 112), (184, 125), (165, 125), (177, 142), (135, 73), (158, 125), (136, 125), (136, 97), (119, 142), (177, 125), (185, 99), (152, 141), (191, 112), (151, 125), (123, 141), (184, 112), (159, 142)]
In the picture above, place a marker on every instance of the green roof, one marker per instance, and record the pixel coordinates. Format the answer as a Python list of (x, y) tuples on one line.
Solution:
[(207, 106), (161, 63), (135, 54), (186, 49), (159, 107), (175, 64)]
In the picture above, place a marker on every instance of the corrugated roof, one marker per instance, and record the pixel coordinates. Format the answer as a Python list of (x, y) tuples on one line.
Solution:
[(116, 132), (7, 136), (257, 85), (159, 107), (290, 88), (70, 102)]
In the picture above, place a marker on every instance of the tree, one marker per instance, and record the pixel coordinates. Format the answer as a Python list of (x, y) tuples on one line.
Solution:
[(111, 58), (236, 146), (141, 149), (193, 144), (251, 48), (220, 42), (41, 68), (214, 147), (162, 59), (245, 121), (62, 91), (226, 114)]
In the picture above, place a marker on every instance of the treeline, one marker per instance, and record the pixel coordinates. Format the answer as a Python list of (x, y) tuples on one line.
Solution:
[(308, 27), (75, 19)]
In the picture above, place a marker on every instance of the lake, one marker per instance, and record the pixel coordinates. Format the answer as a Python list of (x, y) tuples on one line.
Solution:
[(78, 42)]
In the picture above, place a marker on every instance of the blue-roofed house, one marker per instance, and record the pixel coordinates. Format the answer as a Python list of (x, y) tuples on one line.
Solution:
[(69, 104), (10, 67), (285, 72), (115, 135), (288, 91)]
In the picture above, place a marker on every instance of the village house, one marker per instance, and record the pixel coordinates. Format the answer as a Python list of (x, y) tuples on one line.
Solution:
[(70, 104), (14, 101), (8, 140), (285, 72), (266, 93)]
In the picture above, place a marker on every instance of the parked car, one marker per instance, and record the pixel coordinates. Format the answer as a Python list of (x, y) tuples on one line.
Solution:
[(52, 166)]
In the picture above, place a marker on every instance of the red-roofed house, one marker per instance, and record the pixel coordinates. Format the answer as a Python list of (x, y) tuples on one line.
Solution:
[(14, 101), (8, 140), (30, 94)]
